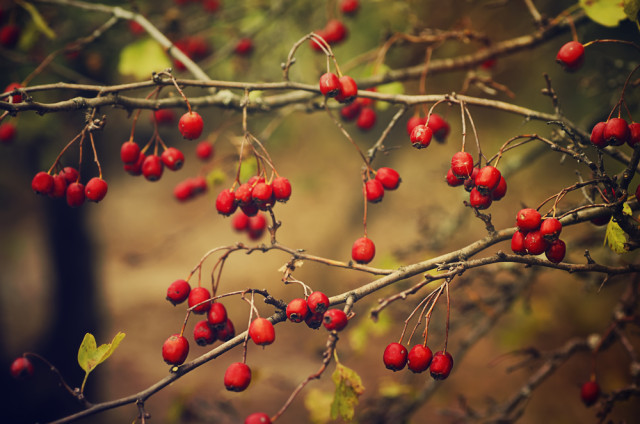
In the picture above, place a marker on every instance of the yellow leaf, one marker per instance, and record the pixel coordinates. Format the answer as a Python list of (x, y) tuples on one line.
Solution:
[(141, 58), (348, 389)]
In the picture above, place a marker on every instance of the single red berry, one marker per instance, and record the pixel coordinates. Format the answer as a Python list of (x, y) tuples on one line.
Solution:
[(363, 250), (634, 134), (226, 202), (240, 221), (197, 296), (178, 291), (421, 136), (197, 47), (96, 189), (439, 126), (204, 334), (318, 302), (21, 368), (244, 47), (164, 116), (453, 180), (9, 35), (227, 332), (366, 119), (335, 31), (334, 319), (500, 190), (571, 56), (59, 187), (281, 189), (129, 152), (243, 194), (184, 190), (199, 185), (487, 179), (590, 392), (374, 191), (314, 321), (597, 135), (172, 158), (135, 168), (42, 183), (175, 349), (256, 226), (329, 84), (250, 209), (348, 90), (7, 133), (413, 122), (16, 98), (517, 243), (555, 251), (152, 167), (191, 125), (237, 377), (70, 174), (528, 219), (261, 193), (470, 181), (75, 194), (395, 356), (217, 315), (419, 358), (550, 228), (535, 243), (441, 365), (478, 200), (351, 111), (616, 132), (258, 418), (349, 7), (462, 164), (204, 150), (262, 332), (297, 310), (388, 177)]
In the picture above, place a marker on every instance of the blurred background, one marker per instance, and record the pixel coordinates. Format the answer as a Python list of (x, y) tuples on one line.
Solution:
[(104, 268)]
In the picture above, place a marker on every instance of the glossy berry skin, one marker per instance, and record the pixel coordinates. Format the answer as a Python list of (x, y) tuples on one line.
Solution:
[(441, 365), (129, 152), (597, 135), (172, 158), (178, 291), (453, 180), (261, 193), (335, 319), (314, 321), (75, 194), (196, 296), (175, 349), (419, 358), (487, 179), (297, 310), (462, 164), (244, 47), (96, 189), (42, 183), (388, 177), (500, 190), (478, 200), (420, 136), (226, 202), (555, 251), (21, 368), (59, 187), (616, 132), (217, 315), (517, 243), (535, 243), (367, 119), (237, 377), (348, 90), (413, 122), (590, 392), (439, 126), (329, 84), (363, 250), (258, 418), (528, 219), (203, 333), (152, 168), (634, 134), (135, 168), (550, 228), (395, 356), (227, 332), (204, 150), (262, 332), (374, 191), (191, 125), (7, 133), (281, 189), (318, 302), (571, 56)]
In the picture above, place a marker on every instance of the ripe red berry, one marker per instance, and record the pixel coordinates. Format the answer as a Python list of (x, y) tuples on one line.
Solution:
[(237, 377), (478, 200), (528, 219), (439, 126), (388, 177), (487, 179), (318, 302), (75, 194), (16, 98), (634, 134), (334, 319), (329, 84), (178, 291), (261, 193), (462, 164), (262, 332), (42, 183), (555, 251), (419, 358), (453, 180), (9, 35), (96, 189), (135, 168), (297, 310), (441, 365), (191, 125), (363, 250), (500, 190), (217, 315), (374, 190), (203, 333), (413, 122), (616, 132), (281, 189), (349, 7), (395, 356), (226, 202), (517, 243), (7, 133), (184, 190), (244, 47), (59, 186), (164, 116), (590, 392), (197, 295), (348, 90), (204, 150), (129, 152), (571, 55), (366, 119), (314, 321), (152, 167), (550, 228), (257, 225), (175, 349), (420, 136), (597, 135), (227, 332), (21, 368), (335, 31), (172, 158), (250, 209), (258, 418), (535, 243), (240, 221), (315, 44), (351, 111)]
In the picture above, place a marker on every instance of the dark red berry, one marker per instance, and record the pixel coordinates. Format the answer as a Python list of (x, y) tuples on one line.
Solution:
[(374, 190), (550, 228), (487, 179), (528, 219), (217, 315), (349, 7), (178, 291), (9, 35), (453, 180), (172, 158), (517, 243), (211, 6), (261, 193), (281, 189), (129, 152), (555, 251), (204, 150), (226, 202), (388, 177), (250, 209), (597, 135), (244, 47), (334, 319), (16, 98), (262, 332), (164, 116), (175, 349), (96, 189), (634, 134), (441, 365), (500, 190), (203, 333), (152, 167), (240, 221), (237, 377), (7, 133), (413, 122), (571, 55), (227, 332), (75, 194), (70, 174), (395, 356), (420, 136), (42, 183), (135, 168), (535, 243), (197, 296), (297, 310), (366, 119), (478, 200), (314, 321), (439, 126), (348, 90), (329, 84), (191, 125), (59, 187), (257, 225), (363, 250), (616, 132), (419, 358), (318, 302), (590, 392), (21, 368), (462, 164), (258, 418), (351, 111), (335, 31)]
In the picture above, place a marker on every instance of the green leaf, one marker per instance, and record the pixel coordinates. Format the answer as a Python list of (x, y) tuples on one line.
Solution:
[(215, 177), (38, 20), (90, 355), (348, 388), (141, 58), (632, 10), (615, 237), (605, 12), (249, 168)]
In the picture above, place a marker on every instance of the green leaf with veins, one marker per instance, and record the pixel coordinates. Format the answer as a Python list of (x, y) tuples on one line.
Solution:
[(90, 355), (348, 389), (615, 237)]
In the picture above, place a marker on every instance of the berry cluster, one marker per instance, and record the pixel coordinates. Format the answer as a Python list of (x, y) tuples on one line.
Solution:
[(254, 195), (421, 130), (254, 226), (361, 110), (536, 236), (334, 32), (66, 183), (194, 47), (192, 187), (615, 132), (344, 88), (484, 184), (314, 311), (418, 359)]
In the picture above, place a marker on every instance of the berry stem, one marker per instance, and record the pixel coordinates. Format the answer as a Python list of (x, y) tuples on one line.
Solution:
[(446, 333), (95, 155)]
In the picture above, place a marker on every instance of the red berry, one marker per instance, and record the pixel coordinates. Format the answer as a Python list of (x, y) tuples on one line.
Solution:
[(217, 315), (571, 55), (7, 132), (334, 319), (363, 250), (136, 28), (226, 202), (487, 179), (203, 333), (191, 125), (349, 7), (478, 200), (59, 186), (348, 90), (75, 194), (470, 181), (517, 243), (318, 45), (244, 47), (453, 180), (314, 321), (439, 126), (240, 221), (351, 111), (335, 31), (197, 47), (261, 193), (256, 226), (634, 134), (129, 152), (441, 365), (528, 219), (16, 98), (178, 291), (172, 158), (535, 243), (243, 194), (318, 302), (388, 177), (366, 119), (374, 190), (204, 150), (164, 116), (556, 251), (413, 122), (395, 356), (227, 332), (616, 132), (281, 189), (590, 392), (250, 209), (9, 35), (462, 164), (297, 310), (42, 183), (70, 174), (175, 349), (197, 295), (329, 84), (550, 228), (419, 358), (136, 167), (421, 136), (21, 368), (184, 190), (597, 135), (258, 418), (500, 190), (262, 332), (96, 189), (152, 167), (237, 377)]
